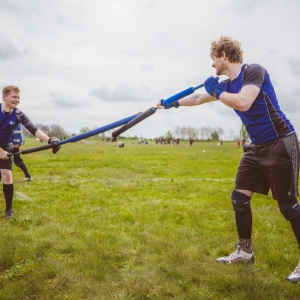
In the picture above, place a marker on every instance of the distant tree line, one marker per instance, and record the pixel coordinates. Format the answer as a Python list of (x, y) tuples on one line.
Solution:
[(201, 133), (50, 130), (181, 132)]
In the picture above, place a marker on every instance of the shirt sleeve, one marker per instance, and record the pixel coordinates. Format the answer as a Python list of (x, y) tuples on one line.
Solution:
[(254, 75), (26, 122)]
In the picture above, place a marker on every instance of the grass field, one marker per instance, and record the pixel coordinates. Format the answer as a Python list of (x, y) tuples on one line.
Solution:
[(139, 222)]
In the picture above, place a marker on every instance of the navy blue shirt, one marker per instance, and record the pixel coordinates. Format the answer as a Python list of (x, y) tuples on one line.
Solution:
[(264, 120), (9, 121)]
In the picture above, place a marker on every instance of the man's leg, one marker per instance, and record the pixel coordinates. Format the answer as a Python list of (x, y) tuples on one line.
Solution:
[(243, 215), (295, 276), (284, 185), (8, 191), (296, 228), (291, 211)]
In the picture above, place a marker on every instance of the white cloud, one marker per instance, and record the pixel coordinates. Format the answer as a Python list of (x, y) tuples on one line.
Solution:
[(10, 48)]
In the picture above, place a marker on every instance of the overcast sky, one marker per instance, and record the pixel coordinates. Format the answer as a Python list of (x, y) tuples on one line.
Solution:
[(93, 62)]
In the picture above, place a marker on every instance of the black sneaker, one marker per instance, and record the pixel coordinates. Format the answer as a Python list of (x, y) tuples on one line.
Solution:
[(9, 214)]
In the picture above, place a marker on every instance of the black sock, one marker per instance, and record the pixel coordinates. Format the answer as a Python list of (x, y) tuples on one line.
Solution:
[(25, 171), (8, 191), (244, 224), (296, 228)]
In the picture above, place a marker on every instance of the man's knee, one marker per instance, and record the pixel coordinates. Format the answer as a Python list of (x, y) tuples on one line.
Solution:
[(6, 176), (240, 201), (289, 208)]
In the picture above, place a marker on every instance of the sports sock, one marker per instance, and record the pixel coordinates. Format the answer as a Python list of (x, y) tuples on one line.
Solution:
[(8, 191), (244, 224), (246, 245), (25, 171)]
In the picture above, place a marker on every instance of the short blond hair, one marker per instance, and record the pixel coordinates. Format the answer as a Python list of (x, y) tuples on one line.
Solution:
[(231, 47), (6, 91)]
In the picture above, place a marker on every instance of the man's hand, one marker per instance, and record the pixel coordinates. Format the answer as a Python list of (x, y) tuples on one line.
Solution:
[(160, 105), (53, 141), (3, 154), (212, 86)]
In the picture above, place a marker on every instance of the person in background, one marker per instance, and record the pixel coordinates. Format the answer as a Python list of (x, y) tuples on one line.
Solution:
[(191, 141), (18, 140), (243, 141)]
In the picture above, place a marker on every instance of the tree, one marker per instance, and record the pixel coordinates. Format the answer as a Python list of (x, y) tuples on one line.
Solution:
[(207, 132), (44, 128), (183, 132), (220, 131), (176, 131), (243, 132), (192, 132), (84, 129), (232, 135), (57, 130), (215, 135), (168, 134)]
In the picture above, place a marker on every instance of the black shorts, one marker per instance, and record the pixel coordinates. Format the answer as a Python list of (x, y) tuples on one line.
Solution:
[(273, 165), (7, 163)]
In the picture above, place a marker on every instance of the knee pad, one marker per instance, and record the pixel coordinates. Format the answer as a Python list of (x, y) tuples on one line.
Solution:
[(289, 208), (240, 202)]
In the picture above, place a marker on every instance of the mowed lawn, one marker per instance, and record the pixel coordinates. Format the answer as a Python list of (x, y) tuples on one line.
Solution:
[(139, 222)]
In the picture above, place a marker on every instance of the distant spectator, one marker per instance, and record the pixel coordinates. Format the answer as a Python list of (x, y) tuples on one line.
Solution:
[(191, 141), (243, 141), (18, 140)]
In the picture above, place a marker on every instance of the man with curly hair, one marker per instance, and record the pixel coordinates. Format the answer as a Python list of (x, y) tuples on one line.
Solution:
[(271, 159)]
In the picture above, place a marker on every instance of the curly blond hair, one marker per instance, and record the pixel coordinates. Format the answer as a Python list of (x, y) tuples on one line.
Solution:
[(10, 88), (231, 47)]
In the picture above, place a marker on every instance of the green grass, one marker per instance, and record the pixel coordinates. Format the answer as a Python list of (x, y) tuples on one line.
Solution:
[(139, 222)]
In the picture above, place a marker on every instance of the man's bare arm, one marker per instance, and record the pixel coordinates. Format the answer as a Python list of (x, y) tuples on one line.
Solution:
[(243, 100), (42, 136), (192, 100), (196, 99)]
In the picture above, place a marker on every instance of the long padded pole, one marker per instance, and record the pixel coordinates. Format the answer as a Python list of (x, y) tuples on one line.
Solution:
[(135, 121), (182, 94), (152, 110), (82, 135)]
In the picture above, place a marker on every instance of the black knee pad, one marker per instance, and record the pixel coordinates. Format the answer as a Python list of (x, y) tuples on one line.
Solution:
[(289, 208), (240, 202)]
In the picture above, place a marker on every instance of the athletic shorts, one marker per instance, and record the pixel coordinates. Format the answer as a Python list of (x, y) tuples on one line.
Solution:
[(273, 165), (7, 163)]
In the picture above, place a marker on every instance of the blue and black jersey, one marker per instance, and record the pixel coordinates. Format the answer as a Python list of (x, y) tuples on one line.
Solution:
[(9, 121), (264, 120)]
